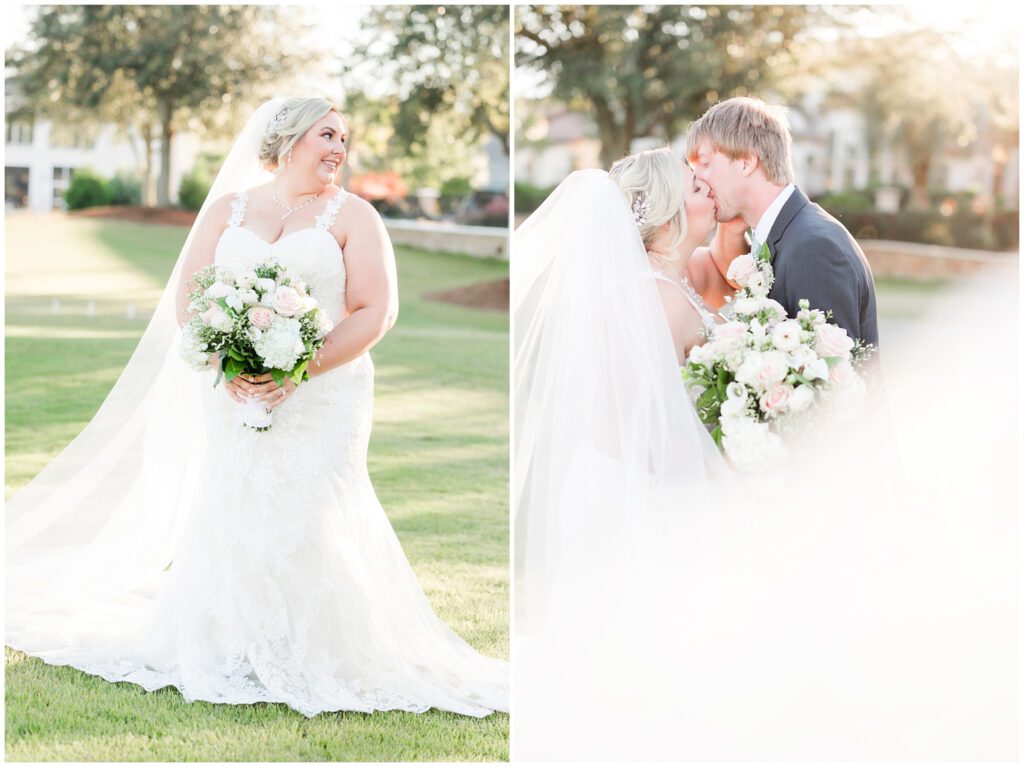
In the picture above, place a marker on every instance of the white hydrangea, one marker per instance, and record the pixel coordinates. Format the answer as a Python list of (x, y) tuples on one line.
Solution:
[(281, 344), (751, 446)]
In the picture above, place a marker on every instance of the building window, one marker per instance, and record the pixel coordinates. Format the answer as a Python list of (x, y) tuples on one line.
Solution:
[(18, 131), (73, 135), (15, 188), (61, 182)]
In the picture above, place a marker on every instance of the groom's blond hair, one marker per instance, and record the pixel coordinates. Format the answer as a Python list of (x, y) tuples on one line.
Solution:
[(744, 126)]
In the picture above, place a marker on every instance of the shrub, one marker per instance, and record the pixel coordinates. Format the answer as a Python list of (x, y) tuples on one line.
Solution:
[(529, 197), (962, 229), (125, 189), (87, 190), (193, 190), (849, 200)]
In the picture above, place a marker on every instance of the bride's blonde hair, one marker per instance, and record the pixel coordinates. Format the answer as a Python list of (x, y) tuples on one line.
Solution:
[(653, 184), (295, 117)]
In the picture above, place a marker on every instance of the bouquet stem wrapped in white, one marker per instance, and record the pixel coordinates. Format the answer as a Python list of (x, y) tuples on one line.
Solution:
[(762, 374), (258, 321)]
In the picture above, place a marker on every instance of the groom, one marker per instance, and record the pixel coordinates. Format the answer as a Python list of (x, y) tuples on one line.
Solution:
[(740, 149)]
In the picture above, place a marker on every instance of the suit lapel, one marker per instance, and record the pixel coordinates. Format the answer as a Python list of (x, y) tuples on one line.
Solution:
[(794, 205)]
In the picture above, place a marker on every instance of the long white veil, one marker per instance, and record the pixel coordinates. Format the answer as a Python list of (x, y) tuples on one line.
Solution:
[(89, 535), (603, 426)]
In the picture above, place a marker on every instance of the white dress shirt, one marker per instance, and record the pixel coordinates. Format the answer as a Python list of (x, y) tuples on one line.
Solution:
[(764, 226)]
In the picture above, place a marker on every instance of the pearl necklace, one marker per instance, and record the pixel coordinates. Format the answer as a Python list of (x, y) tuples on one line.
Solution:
[(288, 209)]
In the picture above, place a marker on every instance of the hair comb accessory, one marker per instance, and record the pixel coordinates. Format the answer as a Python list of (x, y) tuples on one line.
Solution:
[(275, 122), (641, 207)]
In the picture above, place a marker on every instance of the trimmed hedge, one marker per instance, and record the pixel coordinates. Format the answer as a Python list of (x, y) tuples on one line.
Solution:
[(962, 229), (87, 190)]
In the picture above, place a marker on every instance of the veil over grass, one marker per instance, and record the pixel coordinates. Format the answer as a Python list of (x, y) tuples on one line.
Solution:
[(87, 538)]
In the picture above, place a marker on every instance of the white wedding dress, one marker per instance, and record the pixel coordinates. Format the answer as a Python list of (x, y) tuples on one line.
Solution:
[(287, 583)]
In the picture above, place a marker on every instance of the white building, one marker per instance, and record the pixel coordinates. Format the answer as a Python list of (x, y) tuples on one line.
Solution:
[(830, 151), (40, 158)]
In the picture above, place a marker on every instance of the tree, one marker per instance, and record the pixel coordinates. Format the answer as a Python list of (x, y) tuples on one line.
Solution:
[(922, 99), (649, 70), (445, 59), (152, 65)]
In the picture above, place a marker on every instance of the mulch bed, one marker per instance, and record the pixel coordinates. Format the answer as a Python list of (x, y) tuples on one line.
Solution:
[(491, 295), (140, 214)]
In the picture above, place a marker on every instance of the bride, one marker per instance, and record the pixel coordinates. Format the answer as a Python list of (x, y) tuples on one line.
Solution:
[(168, 545)]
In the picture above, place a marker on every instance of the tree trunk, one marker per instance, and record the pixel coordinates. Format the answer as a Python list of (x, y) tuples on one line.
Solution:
[(919, 168), (163, 191), (147, 166), (615, 139)]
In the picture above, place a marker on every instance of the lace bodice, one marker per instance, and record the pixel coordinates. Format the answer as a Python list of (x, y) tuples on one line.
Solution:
[(313, 252)]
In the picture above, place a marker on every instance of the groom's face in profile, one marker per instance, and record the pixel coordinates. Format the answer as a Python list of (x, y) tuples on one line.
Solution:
[(723, 177)]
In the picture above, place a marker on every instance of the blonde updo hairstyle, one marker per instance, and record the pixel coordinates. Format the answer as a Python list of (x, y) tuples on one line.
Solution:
[(301, 115), (654, 180)]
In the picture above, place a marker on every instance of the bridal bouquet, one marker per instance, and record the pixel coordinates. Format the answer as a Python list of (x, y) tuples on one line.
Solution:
[(261, 320), (762, 374)]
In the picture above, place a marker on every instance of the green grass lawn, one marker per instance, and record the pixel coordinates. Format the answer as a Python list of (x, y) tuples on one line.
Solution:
[(438, 458)]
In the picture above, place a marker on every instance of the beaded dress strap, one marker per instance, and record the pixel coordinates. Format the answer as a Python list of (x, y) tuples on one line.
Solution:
[(326, 219), (706, 315), (238, 203)]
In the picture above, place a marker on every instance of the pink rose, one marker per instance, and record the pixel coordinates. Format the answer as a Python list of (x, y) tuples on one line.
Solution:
[(741, 269), (216, 318), (774, 400), (774, 367), (832, 341), (842, 373), (261, 317), (286, 301), (730, 330)]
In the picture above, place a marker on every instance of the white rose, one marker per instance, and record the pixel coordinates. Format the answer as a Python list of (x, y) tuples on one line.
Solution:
[(748, 305), (733, 408), (219, 290), (698, 354), (265, 284), (786, 336), (801, 398), (816, 369), (233, 300), (736, 390), (247, 280), (757, 285), (832, 341), (750, 368), (741, 269)]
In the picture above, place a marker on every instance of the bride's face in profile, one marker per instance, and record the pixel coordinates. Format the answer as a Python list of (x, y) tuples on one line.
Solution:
[(321, 150), (700, 209)]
